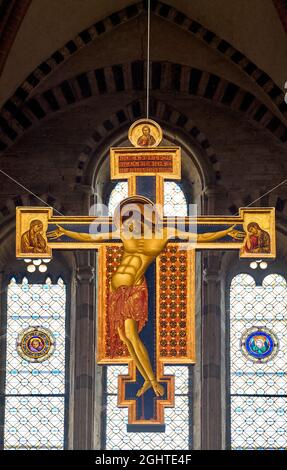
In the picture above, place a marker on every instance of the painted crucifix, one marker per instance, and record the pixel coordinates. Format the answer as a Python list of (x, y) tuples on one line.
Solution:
[(146, 271)]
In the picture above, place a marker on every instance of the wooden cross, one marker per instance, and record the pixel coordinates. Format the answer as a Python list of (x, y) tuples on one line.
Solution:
[(166, 288)]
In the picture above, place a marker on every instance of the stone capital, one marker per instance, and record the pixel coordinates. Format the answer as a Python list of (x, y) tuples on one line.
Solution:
[(211, 275), (85, 274), (213, 191), (85, 189)]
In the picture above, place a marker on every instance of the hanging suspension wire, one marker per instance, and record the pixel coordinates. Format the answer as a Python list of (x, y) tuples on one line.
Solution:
[(28, 190), (268, 192), (265, 194), (148, 59)]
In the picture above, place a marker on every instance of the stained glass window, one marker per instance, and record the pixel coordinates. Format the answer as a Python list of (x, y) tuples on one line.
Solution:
[(119, 193), (258, 362), (177, 419), (35, 394), (174, 198)]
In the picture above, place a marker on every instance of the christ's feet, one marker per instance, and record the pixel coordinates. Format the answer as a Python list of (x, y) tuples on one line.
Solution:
[(144, 388), (157, 388)]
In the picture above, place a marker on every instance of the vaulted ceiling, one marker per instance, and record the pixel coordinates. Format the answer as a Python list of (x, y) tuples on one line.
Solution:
[(252, 27)]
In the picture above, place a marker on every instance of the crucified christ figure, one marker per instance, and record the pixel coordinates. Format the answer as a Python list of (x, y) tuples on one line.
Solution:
[(143, 240)]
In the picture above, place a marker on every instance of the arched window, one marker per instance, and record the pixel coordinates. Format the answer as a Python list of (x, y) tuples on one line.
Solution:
[(258, 362), (119, 192), (35, 387), (177, 419), (174, 199)]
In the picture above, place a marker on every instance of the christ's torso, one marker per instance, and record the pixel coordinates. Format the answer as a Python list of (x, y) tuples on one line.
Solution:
[(137, 256)]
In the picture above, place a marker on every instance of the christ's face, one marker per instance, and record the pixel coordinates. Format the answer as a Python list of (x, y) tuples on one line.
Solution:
[(134, 225), (131, 225), (138, 220), (137, 225)]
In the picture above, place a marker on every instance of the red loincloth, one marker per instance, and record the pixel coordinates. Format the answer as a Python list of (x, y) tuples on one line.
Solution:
[(123, 303)]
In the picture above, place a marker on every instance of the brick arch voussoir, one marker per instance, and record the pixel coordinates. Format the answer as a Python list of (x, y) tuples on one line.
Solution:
[(12, 108), (8, 209), (258, 199), (165, 77)]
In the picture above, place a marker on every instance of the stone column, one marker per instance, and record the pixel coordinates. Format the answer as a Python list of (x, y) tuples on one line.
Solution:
[(214, 199), (211, 391), (211, 413), (86, 408)]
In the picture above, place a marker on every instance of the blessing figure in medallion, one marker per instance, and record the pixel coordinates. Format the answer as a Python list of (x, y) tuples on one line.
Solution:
[(146, 139)]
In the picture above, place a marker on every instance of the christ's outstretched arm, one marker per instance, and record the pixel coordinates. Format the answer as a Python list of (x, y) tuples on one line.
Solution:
[(208, 236), (82, 237)]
